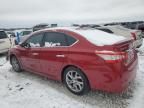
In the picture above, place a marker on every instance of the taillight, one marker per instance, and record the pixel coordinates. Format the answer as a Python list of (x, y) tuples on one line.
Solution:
[(111, 56), (133, 35)]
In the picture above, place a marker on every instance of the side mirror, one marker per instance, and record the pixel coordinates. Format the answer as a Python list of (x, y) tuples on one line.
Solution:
[(25, 45)]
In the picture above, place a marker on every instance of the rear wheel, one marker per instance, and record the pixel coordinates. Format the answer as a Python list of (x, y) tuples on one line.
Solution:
[(15, 64), (76, 81)]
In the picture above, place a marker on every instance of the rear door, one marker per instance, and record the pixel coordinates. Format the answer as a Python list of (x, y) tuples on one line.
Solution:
[(53, 53), (4, 41)]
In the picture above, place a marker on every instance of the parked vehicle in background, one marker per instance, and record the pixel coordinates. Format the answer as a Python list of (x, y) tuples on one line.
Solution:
[(21, 36), (141, 27), (10, 34), (25, 32), (134, 25), (40, 26), (89, 25), (136, 35), (142, 34), (82, 59), (5, 43)]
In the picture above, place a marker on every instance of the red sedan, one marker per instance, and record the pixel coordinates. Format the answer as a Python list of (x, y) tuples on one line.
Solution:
[(82, 59)]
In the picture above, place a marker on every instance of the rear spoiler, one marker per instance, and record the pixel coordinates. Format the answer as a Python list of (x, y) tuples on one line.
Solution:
[(124, 45), (124, 42)]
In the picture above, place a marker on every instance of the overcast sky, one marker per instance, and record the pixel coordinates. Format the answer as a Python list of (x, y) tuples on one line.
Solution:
[(26, 13)]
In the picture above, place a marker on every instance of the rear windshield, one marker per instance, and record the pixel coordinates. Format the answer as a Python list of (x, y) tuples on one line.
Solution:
[(3, 35), (100, 38)]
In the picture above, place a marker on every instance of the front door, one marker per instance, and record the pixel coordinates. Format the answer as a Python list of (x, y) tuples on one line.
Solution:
[(30, 56)]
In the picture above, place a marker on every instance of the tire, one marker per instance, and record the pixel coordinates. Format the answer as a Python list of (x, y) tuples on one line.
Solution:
[(16, 43), (15, 64), (75, 81)]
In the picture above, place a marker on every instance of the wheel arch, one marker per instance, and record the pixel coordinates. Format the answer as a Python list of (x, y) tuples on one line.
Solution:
[(11, 55)]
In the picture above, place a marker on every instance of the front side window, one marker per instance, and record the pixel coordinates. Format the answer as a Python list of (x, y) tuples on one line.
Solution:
[(35, 40), (53, 39)]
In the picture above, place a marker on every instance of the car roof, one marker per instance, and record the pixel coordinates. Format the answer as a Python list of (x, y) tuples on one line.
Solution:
[(95, 36)]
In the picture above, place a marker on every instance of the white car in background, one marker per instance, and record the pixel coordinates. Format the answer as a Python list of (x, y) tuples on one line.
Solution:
[(136, 35), (5, 42), (10, 34)]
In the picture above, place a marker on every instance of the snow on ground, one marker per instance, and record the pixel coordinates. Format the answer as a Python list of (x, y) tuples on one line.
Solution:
[(27, 90), (2, 59), (138, 99)]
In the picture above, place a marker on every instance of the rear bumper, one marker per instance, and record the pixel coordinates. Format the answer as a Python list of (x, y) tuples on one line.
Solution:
[(122, 83), (114, 79)]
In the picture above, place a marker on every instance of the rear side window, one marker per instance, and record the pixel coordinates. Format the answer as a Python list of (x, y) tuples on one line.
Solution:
[(52, 39), (3, 35), (70, 40)]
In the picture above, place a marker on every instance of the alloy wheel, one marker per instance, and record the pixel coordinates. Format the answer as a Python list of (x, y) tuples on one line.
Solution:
[(74, 81)]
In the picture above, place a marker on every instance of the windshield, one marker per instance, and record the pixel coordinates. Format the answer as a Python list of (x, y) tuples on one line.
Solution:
[(25, 33)]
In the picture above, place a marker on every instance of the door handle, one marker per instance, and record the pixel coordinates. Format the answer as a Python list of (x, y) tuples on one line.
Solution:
[(35, 54), (62, 56)]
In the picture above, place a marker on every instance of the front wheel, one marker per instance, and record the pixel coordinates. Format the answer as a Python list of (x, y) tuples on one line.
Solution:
[(15, 64), (76, 81)]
